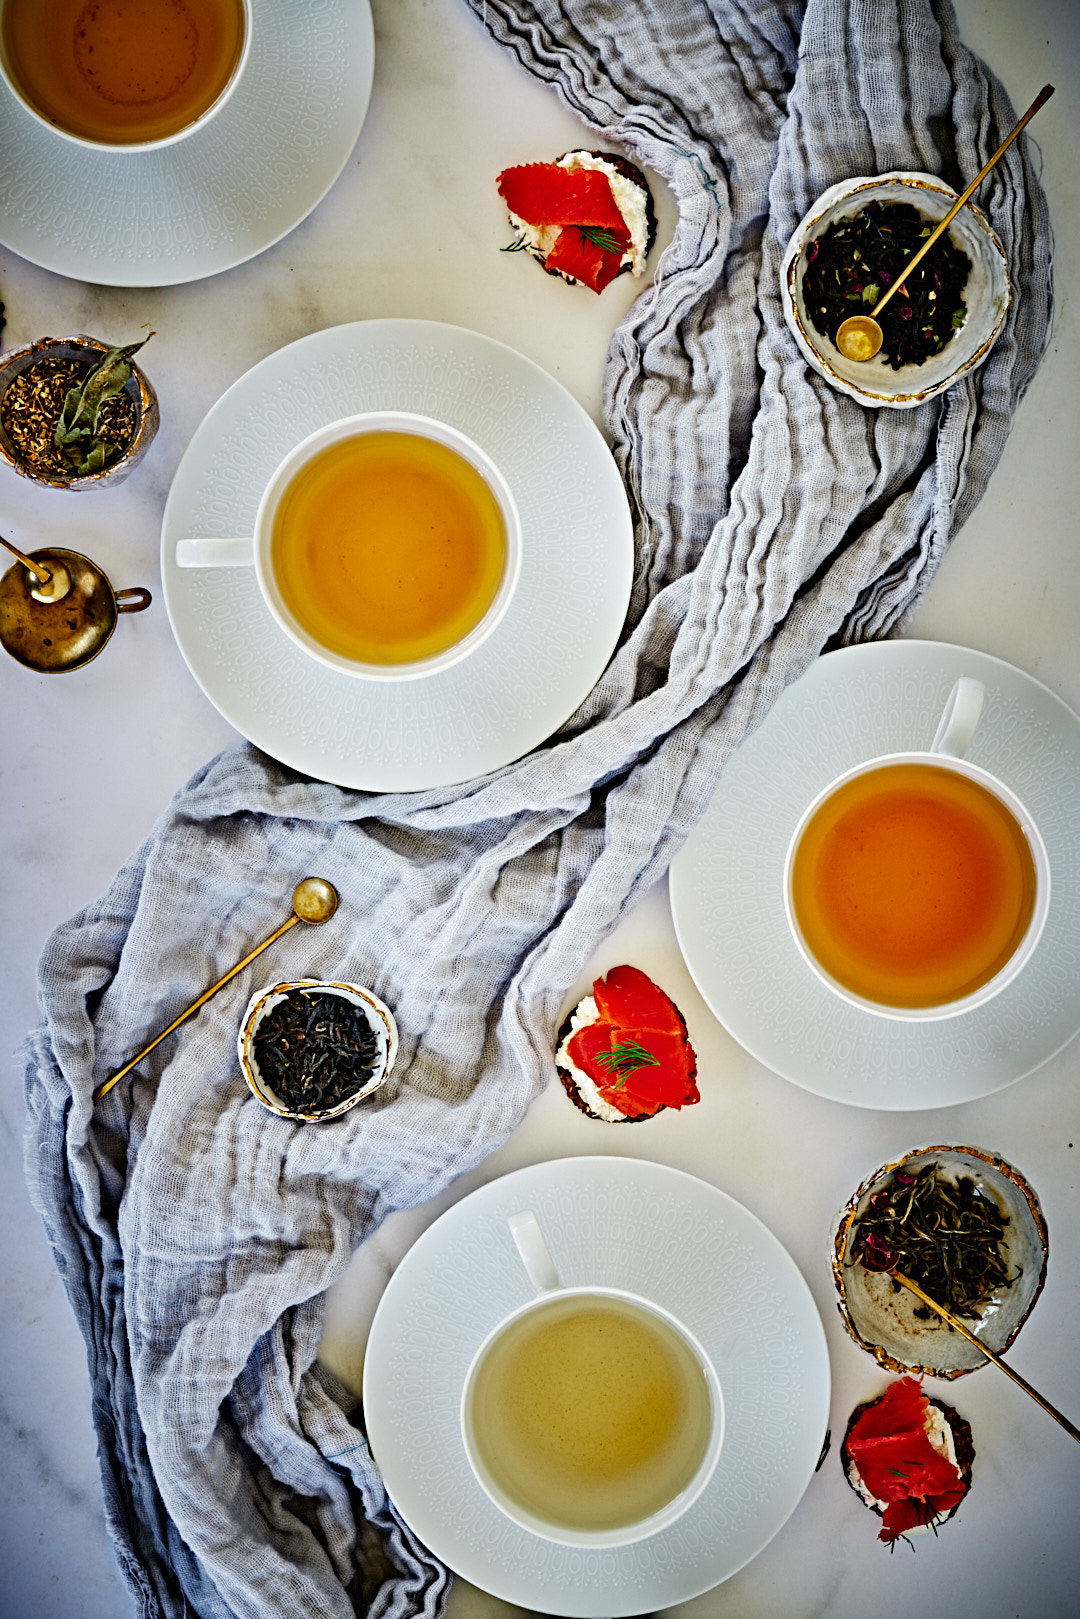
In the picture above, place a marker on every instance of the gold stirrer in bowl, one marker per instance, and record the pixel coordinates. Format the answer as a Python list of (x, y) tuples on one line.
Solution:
[(1002, 1365), (314, 901), (860, 337)]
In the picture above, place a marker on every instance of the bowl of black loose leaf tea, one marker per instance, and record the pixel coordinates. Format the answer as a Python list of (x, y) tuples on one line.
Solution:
[(968, 1228), (75, 413), (941, 322), (311, 1049)]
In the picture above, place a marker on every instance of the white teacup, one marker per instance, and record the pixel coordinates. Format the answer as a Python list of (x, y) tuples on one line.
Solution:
[(62, 21), (599, 1452), (256, 551), (945, 755)]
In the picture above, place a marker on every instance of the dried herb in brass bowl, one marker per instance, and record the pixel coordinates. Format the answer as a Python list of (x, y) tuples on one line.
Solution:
[(311, 1049), (968, 1228), (75, 413)]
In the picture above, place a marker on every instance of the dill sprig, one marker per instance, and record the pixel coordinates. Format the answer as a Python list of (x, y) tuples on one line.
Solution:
[(625, 1059)]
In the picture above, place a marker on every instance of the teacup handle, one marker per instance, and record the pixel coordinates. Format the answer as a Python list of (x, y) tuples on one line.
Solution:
[(534, 1251), (961, 716), (214, 553)]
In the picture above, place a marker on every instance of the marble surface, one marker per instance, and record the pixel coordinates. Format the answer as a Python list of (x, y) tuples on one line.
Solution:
[(89, 760)]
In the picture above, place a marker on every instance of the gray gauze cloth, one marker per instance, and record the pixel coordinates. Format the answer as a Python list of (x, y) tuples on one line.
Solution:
[(196, 1232)]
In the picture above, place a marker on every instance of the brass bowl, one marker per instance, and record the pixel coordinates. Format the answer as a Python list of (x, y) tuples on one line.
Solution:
[(137, 388), (879, 1314), (379, 1016)]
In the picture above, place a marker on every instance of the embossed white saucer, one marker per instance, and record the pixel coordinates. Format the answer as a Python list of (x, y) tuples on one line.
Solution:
[(654, 1231), (727, 880), (215, 199), (537, 665)]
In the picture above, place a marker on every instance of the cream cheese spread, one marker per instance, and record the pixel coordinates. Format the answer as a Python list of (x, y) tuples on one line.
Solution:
[(585, 1012), (940, 1436), (630, 201)]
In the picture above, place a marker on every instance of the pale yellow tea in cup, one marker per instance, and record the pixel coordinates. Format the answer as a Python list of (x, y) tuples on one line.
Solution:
[(913, 885), (590, 1413), (122, 71), (387, 547)]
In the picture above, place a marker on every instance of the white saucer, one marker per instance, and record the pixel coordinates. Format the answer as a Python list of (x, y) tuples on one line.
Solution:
[(534, 669), (654, 1231), (727, 880), (153, 219)]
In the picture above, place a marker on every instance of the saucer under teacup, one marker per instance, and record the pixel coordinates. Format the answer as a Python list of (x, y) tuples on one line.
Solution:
[(651, 1231), (727, 881), (539, 663)]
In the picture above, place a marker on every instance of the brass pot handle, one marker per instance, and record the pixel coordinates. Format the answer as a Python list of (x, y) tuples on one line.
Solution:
[(139, 599)]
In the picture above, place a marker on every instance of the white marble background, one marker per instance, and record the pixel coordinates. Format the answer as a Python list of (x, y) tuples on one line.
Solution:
[(88, 761)]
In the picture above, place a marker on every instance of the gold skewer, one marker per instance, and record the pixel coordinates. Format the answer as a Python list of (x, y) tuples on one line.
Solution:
[(966, 1332), (314, 900), (860, 337)]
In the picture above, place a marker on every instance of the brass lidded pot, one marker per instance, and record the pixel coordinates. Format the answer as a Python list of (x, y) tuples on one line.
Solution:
[(57, 609)]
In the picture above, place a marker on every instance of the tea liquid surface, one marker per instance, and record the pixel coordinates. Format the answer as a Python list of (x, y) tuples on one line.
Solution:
[(913, 885), (121, 71), (591, 1413), (388, 547)]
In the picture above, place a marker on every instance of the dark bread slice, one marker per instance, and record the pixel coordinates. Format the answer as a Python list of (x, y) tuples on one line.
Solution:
[(965, 1453)]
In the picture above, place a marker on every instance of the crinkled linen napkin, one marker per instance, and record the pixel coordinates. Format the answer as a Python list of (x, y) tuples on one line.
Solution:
[(195, 1232)]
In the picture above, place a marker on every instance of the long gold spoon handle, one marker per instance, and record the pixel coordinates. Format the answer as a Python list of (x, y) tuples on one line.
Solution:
[(103, 1090), (966, 1332), (1040, 101)]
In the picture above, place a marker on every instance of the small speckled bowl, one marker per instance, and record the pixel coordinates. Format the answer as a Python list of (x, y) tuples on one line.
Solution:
[(137, 388), (379, 1017), (987, 293), (882, 1319)]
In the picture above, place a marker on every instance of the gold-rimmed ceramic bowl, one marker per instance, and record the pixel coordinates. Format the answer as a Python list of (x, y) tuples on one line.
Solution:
[(987, 293), (137, 388), (880, 1314), (380, 1021)]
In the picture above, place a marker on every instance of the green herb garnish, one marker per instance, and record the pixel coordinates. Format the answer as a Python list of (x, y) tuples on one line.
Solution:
[(601, 237), (519, 246), (626, 1058), (81, 431)]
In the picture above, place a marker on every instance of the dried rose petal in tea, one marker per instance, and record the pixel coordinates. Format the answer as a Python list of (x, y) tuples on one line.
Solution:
[(945, 1235), (315, 1049), (857, 260)]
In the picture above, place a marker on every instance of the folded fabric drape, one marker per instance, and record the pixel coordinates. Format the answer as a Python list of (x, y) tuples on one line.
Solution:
[(195, 1232)]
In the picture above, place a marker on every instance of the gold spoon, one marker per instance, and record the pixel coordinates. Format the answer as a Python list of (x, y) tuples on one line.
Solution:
[(859, 337), (49, 584), (966, 1332), (314, 900)]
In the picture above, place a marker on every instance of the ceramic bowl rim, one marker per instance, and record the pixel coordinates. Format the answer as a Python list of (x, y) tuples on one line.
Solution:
[(262, 1001), (839, 193), (845, 1220)]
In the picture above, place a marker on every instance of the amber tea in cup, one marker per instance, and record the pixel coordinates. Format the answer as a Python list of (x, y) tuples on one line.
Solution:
[(917, 884), (913, 885), (387, 547), (122, 72)]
